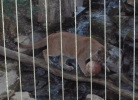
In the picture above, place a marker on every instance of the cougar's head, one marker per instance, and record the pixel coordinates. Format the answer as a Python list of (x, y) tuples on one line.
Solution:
[(99, 54)]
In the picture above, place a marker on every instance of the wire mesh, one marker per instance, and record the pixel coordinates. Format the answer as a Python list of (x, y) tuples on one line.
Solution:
[(31, 11), (19, 62), (75, 19), (76, 50), (46, 11), (5, 58), (105, 47), (90, 45), (134, 52), (61, 55), (119, 49)]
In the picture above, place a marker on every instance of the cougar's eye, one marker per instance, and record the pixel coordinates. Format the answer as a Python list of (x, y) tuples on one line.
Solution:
[(99, 52)]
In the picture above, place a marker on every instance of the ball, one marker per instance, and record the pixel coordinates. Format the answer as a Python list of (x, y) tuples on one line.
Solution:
[(94, 67)]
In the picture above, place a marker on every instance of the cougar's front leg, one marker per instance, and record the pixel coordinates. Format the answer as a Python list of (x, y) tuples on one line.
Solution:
[(45, 56), (82, 65)]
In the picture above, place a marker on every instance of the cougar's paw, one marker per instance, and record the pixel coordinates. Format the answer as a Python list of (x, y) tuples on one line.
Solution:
[(69, 68)]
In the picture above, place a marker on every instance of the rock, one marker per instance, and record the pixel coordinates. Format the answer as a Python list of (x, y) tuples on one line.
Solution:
[(12, 30), (24, 40), (10, 27), (95, 4), (27, 40), (67, 9), (132, 45), (126, 62), (128, 29), (112, 7), (98, 25), (94, 97), (79, 3), (127, 8), (115, 20), (12, 78), (53, 10), (113, 59), (82, 27), (25, 96), (12, 65), (131, 2), (79, 10)]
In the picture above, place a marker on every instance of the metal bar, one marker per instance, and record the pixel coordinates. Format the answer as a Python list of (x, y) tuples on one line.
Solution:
[(76, 48), (33, 47), (90, 45), (61, 49), (105, 46), (46, 13), (119, 49), (6, 71), (134, 69), (17, 30)]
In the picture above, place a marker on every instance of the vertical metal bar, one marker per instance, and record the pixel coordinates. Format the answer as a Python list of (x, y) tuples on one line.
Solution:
[(119, 49), (61, 49), (46, 12), (90, 45), (76, 47), (105, 45), (134, 52), (17, 30), (6, 71), (33, 47)]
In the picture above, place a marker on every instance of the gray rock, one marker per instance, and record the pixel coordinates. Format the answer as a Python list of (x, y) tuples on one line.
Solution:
[(128, 29), (53, 10), (94, 97), (113, 60), (11, 76), (25, 96), (28, 40), (98, 25)]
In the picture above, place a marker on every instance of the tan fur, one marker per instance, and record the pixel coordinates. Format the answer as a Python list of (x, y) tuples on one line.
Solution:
[(68, 46)]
